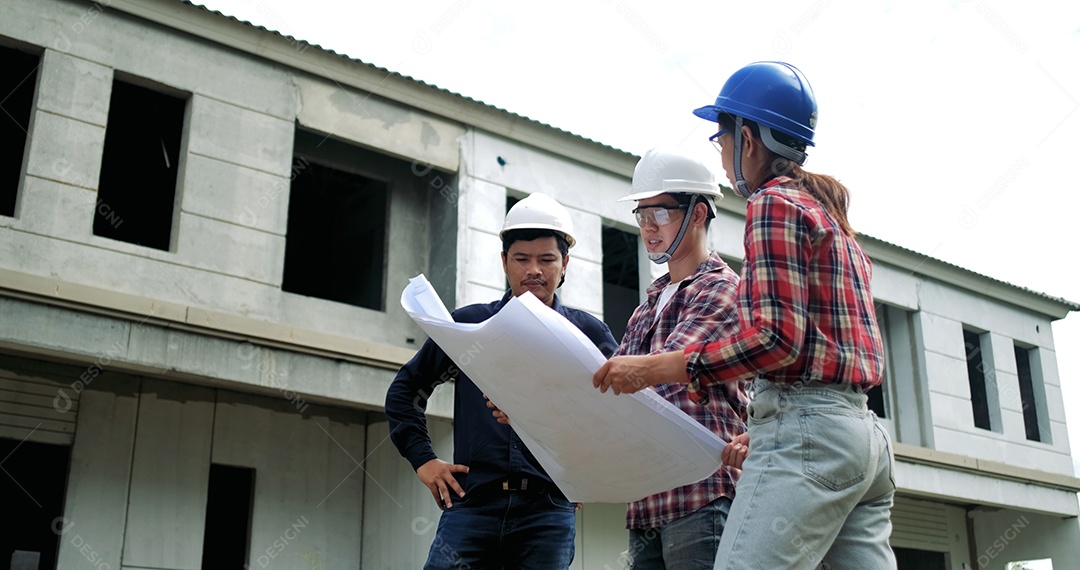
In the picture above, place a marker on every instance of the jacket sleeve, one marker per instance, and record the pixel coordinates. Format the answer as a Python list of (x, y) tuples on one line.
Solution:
[(406, 402), (601, 336)]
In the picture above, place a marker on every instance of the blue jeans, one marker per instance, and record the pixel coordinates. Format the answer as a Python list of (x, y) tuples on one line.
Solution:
[(816, 488), (688, 543), (530, 531)]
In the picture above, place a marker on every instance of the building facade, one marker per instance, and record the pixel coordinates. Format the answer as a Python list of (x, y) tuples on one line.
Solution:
[(202, 244)]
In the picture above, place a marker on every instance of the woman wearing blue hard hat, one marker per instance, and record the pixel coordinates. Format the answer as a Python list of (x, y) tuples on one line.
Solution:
[(816, 488)]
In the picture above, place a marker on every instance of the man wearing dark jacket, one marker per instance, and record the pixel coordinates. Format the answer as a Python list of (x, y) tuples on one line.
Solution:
[(500, 509)]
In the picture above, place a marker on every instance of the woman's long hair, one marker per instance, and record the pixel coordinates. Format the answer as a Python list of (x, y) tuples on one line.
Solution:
[(832, 195)]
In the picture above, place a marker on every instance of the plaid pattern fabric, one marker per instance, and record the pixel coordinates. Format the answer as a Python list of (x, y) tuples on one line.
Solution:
[(702, 310), (805, 308)]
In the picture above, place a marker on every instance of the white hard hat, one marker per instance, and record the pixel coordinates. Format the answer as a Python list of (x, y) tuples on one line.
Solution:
[(664, 171), (540, 212)]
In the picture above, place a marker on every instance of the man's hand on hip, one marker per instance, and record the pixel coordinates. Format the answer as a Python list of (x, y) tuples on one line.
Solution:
[(438, 476)]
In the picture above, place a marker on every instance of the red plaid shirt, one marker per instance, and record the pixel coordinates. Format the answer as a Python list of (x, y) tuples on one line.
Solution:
[(702, 310), (805, 308)]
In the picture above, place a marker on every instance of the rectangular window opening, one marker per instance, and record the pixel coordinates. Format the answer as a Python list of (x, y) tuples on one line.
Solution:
[(335, 243), (139, 165), (976, 368), (914, 559), (1028, 397), (622, 292), (17, 85), (32, 487), (229, 505)]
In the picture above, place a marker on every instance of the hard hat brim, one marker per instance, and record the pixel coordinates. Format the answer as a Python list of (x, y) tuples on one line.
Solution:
[(718, 195), (709, 112), (642, 195), (677, 187), (570, 241)]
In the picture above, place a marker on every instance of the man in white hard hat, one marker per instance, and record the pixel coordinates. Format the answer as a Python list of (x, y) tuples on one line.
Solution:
[(694, 302), (500, 509)]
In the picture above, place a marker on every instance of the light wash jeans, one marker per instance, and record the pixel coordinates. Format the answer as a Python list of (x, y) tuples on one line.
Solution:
[(817, 486), (688, 543)]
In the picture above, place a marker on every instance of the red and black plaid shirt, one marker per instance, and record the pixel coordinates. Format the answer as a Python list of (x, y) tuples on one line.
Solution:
[(805, 308), (702, 310)]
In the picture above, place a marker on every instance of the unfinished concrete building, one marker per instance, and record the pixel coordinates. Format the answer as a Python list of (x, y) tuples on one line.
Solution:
[(202, 241)]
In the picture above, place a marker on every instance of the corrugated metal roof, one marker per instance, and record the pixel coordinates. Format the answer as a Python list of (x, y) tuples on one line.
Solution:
[(1073, 306)]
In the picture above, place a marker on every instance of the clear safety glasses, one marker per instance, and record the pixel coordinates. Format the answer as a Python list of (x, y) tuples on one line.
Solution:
[(715, 140), (659, 215)]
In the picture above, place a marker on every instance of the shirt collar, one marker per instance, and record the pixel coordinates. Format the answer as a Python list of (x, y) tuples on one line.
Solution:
[(712, 264), (778, 181)]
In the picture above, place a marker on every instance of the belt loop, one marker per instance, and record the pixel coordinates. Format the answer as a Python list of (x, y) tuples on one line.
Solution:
[(524, 484)]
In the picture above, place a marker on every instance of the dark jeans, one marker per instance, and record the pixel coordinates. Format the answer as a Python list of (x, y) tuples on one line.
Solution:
[(688, 543), (507, 530)]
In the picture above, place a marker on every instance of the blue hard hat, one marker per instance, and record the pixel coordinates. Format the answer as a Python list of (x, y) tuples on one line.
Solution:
[(770, 93)]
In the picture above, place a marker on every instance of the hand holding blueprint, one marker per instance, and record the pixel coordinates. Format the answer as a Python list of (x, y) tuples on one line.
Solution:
[(537, 367)]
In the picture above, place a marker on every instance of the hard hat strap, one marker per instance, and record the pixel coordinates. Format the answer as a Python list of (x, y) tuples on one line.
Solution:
[(659, 258), (779, 148), (740, 183)]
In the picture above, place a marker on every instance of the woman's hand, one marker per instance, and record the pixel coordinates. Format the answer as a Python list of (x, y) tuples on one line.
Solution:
[(629, 374)]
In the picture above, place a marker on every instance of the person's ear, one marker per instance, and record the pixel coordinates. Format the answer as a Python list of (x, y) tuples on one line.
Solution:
[(565, 260), (505, 272), (699, 215), (751, 145)]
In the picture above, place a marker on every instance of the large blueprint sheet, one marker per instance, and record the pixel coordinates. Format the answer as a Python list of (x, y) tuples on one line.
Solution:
[(537, 367)]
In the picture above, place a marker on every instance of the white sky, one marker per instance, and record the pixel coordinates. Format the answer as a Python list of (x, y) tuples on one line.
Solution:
[(953, 123)]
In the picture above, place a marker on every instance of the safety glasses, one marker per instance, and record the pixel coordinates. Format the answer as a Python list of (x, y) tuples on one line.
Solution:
[(715, 140), (659, 215)]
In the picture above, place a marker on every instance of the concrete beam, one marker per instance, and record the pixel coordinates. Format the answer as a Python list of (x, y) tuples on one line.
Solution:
[(123, 307), (953, 461)]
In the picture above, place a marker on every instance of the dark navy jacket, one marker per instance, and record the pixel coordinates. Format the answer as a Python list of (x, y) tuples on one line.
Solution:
[(491, 450)]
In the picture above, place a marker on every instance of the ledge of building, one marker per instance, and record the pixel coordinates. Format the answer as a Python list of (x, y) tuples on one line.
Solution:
[(197, 319), (935, 458)]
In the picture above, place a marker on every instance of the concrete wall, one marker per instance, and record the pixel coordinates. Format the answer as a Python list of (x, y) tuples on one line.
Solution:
[(184, 355), (170, 470), (1011, 536), (602, 537), (235, 168), (140, 468), (400, 517), (944, 312), (936, 483), (588, 193), (96, 502), (309, 478)]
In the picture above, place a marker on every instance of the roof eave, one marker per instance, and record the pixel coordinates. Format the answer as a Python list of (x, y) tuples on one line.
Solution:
[(882, 251), (272, 46)]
